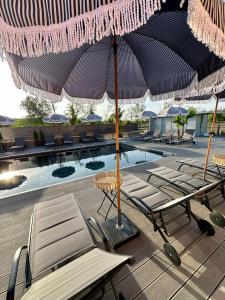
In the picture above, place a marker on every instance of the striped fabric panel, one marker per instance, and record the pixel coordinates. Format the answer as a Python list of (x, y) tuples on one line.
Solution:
[(148, 59), (24, 13)]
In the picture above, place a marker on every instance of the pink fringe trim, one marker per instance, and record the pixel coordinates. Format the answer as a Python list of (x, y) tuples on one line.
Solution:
[(119, 17), (204, 29)]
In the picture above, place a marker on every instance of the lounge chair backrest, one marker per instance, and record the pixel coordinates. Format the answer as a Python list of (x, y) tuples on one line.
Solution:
[(19, 141), (156, 132), (49, 139), (83, 134), (67, 137), (59, 233), (190, 132), (168, 133)]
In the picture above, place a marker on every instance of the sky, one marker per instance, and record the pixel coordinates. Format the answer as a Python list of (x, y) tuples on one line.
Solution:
[(11, 98)]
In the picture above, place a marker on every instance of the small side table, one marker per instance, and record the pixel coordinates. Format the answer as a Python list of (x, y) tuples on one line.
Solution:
[(219, 161), (107, 182)]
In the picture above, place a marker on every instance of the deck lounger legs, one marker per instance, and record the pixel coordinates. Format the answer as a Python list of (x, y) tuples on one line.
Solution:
[(63, 259), (153, 203)]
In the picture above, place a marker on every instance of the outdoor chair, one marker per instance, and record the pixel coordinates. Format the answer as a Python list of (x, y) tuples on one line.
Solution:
[(188, 136), (165, 137), (204, 191), (49, 141), (63, 260), (19, 144), (154, 203), (212, 169), (155, 135), (140, 136), (98, 137), (67, 140), (84, 138)]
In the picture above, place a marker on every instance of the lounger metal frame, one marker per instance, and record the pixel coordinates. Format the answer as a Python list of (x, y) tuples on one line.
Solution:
[(201, 193), (218, 174)]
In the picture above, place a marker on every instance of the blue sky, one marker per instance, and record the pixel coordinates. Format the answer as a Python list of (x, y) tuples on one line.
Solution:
[(11, 98)]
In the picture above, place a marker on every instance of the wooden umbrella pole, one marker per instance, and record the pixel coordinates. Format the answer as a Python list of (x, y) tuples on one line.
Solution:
[(210, 138), (119, 221)]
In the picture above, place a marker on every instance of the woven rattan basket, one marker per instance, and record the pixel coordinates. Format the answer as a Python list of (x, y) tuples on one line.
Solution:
[(219, 160), (106, 181)]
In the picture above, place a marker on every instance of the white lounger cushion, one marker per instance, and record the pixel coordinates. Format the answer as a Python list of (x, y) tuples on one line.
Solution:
[(74, 278)]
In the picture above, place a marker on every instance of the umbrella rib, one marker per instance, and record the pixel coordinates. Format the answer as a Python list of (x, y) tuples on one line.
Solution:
[(161, 42)]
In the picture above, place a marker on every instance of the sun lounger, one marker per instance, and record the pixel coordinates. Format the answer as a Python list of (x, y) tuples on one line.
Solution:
[(98, 137), (84, 138), (67, 140), (187, 184), (153, 203), (19, 143), (212, 169), (62, 258), (188, 136), (49, 141), (164, 138), (156, 135)]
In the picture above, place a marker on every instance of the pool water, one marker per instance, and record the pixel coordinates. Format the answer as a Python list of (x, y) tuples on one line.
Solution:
[(46, 170)]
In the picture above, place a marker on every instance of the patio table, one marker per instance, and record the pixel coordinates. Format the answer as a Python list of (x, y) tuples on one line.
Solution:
[(107, 182), (219, 161)]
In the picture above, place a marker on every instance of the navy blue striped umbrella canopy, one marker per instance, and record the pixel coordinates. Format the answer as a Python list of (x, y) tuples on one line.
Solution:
[(93, 118), (6, 121), (203, 98), (56, 119), (149, 114), (176, 110), (161, 58)]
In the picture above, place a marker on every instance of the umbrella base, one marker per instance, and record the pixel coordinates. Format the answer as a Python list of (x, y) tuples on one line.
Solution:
[(117, 236)]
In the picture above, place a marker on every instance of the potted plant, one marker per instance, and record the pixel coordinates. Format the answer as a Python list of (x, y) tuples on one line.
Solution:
[(41, 138), (36, 139)]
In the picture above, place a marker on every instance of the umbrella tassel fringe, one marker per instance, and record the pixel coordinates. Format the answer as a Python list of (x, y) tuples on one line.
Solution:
[(117, 18), (206, 19)]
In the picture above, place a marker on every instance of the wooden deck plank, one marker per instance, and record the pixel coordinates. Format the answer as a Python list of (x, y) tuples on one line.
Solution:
[(174, 277), (204, 281), (219, 293)]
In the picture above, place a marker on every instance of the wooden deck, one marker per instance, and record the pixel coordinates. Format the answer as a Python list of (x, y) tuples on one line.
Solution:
[(201, 275)]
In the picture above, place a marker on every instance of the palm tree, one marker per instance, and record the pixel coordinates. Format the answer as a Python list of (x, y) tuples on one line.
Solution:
[(219, 118), (181, 121)]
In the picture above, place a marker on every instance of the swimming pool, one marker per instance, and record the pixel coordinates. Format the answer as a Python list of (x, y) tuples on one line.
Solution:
[(45, 170)]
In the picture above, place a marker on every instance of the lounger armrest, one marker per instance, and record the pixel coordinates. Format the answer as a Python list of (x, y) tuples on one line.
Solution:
[(174, 202), (13, 275), (98, 229)]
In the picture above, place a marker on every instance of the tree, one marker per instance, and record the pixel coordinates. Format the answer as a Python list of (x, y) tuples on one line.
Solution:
[(72, 111), (112, 119), (53, 106), (36, 108), (137, 109), (181, 121), (220, 117), (91, 109)]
